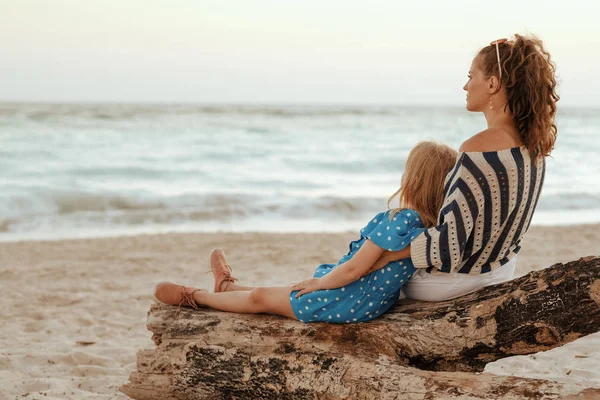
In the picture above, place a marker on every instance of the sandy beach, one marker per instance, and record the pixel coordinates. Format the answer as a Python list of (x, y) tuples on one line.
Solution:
[(74, 311)]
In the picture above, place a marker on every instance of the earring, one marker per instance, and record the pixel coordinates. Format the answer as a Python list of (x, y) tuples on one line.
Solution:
[(491, 106)]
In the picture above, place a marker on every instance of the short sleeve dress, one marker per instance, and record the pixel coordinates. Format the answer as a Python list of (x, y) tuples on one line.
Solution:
[(373, 294)]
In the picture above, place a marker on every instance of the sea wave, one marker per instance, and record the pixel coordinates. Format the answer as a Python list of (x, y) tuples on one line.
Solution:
[(47, 112), (75, 208), (89, 209), (569, 201), (50, 201), (109, 112), (153, 172), (100, 166)]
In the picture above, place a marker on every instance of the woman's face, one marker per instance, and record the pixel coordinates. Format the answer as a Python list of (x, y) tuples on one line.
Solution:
[(477, 88)]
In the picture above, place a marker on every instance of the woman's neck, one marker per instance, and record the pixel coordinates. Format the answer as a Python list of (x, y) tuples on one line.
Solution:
[(503, 120), (498, 118)]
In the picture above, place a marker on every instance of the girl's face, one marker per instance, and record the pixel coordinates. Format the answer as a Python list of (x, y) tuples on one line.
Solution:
[(477, 88)]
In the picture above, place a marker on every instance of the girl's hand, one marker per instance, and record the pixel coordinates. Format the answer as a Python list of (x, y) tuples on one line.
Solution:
[(307, 286)]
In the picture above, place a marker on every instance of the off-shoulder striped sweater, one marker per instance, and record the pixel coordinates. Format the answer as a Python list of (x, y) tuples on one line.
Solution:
[(489, 199)]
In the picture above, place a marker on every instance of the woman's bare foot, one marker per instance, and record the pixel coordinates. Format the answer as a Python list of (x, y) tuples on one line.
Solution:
[(221, 271)]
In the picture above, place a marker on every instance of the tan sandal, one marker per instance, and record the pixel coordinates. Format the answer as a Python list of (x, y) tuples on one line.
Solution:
[(176, 295), (220, 274)]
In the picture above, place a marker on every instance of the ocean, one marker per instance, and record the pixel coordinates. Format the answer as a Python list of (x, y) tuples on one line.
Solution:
[(83, 170)]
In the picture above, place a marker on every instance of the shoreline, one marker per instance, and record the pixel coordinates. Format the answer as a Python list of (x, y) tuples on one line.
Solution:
[(75, 309), (150, 231)]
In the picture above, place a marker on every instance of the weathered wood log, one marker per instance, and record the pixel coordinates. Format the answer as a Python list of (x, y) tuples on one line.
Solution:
[(417, 350)]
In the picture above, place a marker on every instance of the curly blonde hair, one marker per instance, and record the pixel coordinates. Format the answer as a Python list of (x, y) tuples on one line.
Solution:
[(530, 85), (422, 185)]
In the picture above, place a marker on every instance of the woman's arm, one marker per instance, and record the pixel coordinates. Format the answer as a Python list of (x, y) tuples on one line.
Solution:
[(345, 273)]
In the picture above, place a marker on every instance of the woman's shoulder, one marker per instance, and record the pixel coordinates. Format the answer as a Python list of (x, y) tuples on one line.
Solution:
[(490, 140)]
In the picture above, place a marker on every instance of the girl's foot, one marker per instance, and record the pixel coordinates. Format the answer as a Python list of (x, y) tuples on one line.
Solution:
[(221, 271), (176, 295)]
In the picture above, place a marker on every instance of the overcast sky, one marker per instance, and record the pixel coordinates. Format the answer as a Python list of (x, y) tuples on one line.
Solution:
[(279, 51)]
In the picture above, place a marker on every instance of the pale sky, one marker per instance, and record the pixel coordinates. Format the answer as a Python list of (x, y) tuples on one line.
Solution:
[(280, 51)]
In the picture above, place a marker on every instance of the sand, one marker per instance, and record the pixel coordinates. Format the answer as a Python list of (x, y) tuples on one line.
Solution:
[(73, 311)]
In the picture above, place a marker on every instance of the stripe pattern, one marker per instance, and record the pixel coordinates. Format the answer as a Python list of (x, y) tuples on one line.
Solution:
[(489, 200)]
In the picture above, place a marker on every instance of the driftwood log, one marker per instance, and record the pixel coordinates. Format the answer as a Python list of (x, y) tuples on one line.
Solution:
[(417, 350)]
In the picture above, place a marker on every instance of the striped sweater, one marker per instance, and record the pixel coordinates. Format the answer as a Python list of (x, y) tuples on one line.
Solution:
[(489, 199)]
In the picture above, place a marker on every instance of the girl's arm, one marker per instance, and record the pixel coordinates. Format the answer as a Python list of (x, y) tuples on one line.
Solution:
[(388, 257), (345, 273)]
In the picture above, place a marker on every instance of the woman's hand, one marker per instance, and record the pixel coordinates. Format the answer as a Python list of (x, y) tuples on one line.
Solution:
[(307, 286)]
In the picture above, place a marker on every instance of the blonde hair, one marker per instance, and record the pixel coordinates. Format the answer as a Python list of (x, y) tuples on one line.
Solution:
[(422, 185)]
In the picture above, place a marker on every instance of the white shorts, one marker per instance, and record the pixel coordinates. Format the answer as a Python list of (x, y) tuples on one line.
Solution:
[(427, 287)]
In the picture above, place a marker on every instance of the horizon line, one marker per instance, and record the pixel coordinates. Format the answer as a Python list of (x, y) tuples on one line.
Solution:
[(250, 103)]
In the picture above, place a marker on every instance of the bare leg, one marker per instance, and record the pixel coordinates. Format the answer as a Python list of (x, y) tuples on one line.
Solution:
[(272, 300), (233, 287)]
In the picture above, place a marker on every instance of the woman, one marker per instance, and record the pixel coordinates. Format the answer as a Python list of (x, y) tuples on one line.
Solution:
[(492, 191)]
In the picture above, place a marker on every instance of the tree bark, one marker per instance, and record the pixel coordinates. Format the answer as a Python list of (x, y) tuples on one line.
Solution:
[(417, 350)]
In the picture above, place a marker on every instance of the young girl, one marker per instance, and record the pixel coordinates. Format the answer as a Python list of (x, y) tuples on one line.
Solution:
[(344, 292)]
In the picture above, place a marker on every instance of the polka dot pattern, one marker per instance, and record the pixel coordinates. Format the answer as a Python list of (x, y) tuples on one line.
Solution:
[(374, 294)]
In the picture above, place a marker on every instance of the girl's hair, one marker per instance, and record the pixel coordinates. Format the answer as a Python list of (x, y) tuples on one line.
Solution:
[(422, 185), (528, 78)]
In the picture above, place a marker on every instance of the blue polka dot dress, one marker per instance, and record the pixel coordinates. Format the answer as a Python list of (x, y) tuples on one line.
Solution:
[(373, 294)]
